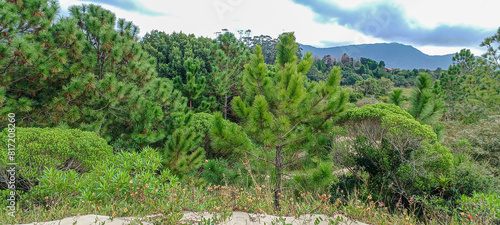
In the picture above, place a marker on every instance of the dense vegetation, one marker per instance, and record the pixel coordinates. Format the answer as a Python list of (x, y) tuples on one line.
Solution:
[(107, 122)]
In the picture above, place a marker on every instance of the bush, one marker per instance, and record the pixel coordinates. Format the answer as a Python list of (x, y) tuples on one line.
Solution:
[(480, 140), (400, 155), (470, 176), (127, 176), (53, 148), (483, 206)]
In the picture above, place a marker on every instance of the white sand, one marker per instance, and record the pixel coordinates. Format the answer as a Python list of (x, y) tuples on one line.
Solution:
[(242, 218)]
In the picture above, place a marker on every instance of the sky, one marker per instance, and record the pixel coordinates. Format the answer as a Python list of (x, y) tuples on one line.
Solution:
[(435, 27)]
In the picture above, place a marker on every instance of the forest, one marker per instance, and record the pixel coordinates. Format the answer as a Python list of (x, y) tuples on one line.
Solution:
[(106, 122)]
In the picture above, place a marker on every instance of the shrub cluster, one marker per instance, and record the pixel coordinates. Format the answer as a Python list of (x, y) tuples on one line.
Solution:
[(52, 148)]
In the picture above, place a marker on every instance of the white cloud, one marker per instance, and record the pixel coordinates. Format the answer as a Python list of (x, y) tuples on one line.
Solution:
[(205, 17)]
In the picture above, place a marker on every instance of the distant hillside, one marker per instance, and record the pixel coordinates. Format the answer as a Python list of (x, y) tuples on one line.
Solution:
[(394, 55)]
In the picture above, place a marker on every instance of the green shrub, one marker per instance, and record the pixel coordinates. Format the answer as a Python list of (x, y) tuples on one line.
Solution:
[(127, 176), (483, 206), (470, 176), (480, 140), (53, 148), (399, 154)]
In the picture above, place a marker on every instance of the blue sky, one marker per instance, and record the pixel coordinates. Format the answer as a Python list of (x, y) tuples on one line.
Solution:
[(433, 26)]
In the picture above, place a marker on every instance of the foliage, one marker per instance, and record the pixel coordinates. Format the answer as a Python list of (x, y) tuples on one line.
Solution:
[(228, 66), (83, 72), (53, 148), (229, 139), (267, 45), (128, 176), (195, 84), (480, 140), (471, 86), (470, 176), (425, 105), (354, 70), (272, 112), (172, 50), (492, 55), (465, 60), (372, 86), (399, 154), (213, 73), (182, 152), (485, 206), (396, 97), (220, 172), (316, 179), (90, 71)]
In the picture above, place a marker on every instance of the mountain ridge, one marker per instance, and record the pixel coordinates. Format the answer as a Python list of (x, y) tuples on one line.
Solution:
[(395, 55)]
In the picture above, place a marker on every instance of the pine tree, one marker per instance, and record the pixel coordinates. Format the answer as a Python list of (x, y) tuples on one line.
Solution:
[(282, 113), (172, 51), (396, 97), (30, 59), (228, 67), (182, 153), (465, 60), (492, 55), (425, 105), (195, 84), (83, 72)]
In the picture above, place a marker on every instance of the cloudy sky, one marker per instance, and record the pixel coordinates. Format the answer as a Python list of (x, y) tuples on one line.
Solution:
[(435, 27)]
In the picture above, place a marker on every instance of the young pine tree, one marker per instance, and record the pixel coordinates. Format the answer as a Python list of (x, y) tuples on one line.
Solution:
[(282, 114), (396, 97), (195, 84), (425, 105), (182, 152)]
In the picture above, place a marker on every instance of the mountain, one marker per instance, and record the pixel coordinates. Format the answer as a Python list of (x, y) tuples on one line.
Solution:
[(394, 55)]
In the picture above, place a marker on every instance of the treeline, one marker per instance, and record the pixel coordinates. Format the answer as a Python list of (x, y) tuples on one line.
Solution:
[(353, 69)]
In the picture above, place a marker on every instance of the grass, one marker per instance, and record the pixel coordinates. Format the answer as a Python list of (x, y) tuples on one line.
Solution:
[(407, 91), (219, 201)]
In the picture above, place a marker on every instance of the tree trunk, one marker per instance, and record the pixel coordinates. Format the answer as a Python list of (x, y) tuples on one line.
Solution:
[(277, 190)]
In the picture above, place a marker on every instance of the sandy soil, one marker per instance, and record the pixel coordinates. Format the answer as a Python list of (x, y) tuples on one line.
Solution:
[(242, 218)]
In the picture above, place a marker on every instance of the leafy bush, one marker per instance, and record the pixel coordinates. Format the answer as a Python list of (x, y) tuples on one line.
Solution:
[(485, 206), (480, 140), (470, 176), (53, 148), (400, 155), (128, 176)]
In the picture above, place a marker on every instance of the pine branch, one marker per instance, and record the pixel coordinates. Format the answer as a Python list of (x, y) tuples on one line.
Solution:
[(296, 124), (315, 104), (258, 157)]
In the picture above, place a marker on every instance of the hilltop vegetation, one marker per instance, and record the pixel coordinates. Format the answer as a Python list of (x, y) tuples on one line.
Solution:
[(109, 123), (395, 55)]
